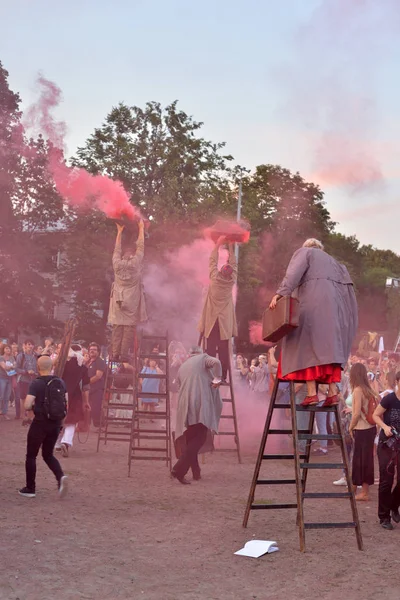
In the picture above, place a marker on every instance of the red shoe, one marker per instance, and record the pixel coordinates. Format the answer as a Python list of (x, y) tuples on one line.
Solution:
[(310, 401), (331, 401)]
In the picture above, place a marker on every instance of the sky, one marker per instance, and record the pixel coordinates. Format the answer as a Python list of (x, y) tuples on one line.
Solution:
[(311, 85)]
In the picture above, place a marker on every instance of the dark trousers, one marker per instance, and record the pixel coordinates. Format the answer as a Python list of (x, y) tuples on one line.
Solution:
[(217, 346), (195, 437), (388, 499), (95, 401), (42, 434), (122, 339)]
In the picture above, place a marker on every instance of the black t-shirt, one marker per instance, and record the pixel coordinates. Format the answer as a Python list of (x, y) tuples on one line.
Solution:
[(391, 416), (38, 389), (97, 365)]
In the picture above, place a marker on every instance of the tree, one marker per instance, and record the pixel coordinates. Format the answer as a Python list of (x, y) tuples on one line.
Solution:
[(28, 205), (11, 143), (168, 170)]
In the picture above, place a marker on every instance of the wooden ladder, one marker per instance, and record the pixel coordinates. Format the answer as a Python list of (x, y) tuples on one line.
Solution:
[(302, 468), (228, 401), (141, 434), (112, 427), (231, 416)]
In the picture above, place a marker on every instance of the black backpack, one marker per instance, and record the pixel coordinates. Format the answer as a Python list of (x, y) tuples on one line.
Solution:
[(55, 401)]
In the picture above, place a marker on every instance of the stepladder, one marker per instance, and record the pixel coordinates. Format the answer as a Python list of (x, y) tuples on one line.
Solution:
[(228, 428), (302, 466), (118, 404), (150, 433)]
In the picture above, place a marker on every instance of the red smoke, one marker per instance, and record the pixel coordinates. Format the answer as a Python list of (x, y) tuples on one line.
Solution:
[(76, 185), (255, 334)]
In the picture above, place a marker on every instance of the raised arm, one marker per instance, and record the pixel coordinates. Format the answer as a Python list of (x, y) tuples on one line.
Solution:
[(140, 240), (232, 261), (118, 245)]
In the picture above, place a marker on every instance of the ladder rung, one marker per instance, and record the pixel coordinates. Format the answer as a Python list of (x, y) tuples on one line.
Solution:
[(279, 431), (330, 525), (315, 408), (160, 355), (271, 506), (281, 405), (326, 495), (161, 438), (111, 406), (115, 390), (281, 456), (226, 399), (152, 376), (322, 466), (288, 431), (163, 431), (317, 436), (152, 394), (112, 439), (150, 415), (226, 433), (147, 449), (133, 457), (275, 481), (227, 417)]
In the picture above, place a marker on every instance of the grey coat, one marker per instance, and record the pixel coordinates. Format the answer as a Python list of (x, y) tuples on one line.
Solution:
[(198, 401), (328, 311)]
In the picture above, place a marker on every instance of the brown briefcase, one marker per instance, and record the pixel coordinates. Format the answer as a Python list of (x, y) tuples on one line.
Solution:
[(282, 320)]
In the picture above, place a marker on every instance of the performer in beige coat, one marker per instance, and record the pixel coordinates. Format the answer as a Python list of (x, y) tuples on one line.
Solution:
[(127, 302), (218, 321)]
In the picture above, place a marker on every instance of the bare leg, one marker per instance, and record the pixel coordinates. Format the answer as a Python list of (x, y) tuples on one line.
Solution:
[(311, 388), (332, 390)]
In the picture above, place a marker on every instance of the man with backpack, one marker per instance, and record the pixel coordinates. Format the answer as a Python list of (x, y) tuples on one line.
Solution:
[(47, 398)]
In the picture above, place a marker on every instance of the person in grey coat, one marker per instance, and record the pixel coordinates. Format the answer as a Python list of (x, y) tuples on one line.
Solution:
[(317, 349), (199, 409)]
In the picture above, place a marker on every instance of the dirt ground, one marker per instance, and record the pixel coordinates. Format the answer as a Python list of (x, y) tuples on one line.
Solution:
[(149, 537)]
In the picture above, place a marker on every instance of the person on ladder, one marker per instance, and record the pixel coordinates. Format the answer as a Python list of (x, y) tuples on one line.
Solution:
[(127, 302), (315, 351), (218, 320)]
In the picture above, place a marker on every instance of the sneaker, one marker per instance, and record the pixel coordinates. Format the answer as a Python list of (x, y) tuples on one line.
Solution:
[(341, 481), (27, 492), (395, 516), (64, 450), (386, 524), (320, 452), (63, 486)]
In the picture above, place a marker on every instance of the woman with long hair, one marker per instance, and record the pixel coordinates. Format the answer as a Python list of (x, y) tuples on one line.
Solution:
[(362, 432)]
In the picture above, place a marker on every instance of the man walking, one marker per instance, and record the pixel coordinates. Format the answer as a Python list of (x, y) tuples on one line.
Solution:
[(96, 368), (199, 409), (218, 321), (43, 432), (127, 302)]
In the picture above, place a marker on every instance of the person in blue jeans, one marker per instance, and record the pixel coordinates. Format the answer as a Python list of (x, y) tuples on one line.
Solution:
[(321, 419), (150, 385), (7, 370)]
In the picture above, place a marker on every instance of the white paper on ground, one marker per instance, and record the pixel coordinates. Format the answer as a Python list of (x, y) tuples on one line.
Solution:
[(256, 548)]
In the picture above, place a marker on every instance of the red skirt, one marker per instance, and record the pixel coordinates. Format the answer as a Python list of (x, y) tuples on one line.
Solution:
[(320, 374)]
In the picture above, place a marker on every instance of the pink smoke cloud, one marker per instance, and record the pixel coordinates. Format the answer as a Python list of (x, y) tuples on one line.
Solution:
[(78, 187)]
